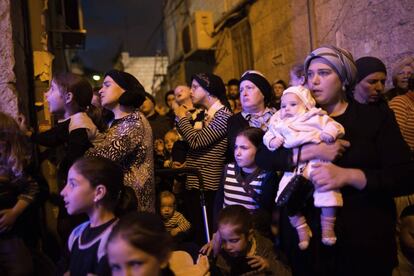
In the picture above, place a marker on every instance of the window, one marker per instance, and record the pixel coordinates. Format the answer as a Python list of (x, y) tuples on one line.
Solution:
[(242, 47)]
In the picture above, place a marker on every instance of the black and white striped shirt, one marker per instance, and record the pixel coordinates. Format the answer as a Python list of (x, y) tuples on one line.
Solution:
[(235, 194), (207, 149)]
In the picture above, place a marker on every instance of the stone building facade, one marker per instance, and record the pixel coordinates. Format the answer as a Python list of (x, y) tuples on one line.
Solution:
[(281, 33)]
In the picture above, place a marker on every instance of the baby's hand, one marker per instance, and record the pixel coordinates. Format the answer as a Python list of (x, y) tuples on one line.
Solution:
[(174, 232), (327, 138), (258, 263), (276, 142)]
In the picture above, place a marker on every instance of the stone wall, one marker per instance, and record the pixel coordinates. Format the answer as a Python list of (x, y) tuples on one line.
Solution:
[(8, 95), (281, 33)]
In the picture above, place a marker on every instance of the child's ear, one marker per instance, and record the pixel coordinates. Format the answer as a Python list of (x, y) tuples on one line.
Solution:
[(68, 97), (100, 192)]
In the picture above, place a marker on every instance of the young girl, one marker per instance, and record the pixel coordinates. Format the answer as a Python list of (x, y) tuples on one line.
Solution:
[(17, 192), (140, 245), (299, 122), (94, 187), (68, 97), (244, 183), (243, 251)]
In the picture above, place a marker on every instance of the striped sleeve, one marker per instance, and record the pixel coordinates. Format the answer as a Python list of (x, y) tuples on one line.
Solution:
[(403, 109), (182, 223), (206, 136)]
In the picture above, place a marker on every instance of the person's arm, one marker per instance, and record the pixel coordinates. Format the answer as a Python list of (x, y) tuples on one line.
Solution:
[(123, 141), (400, 111), (215, 131), (392, 176), (51, 138), (397, 166)]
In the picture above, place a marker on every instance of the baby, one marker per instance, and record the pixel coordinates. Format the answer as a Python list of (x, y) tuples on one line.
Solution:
[(296, 123), (174, 221)]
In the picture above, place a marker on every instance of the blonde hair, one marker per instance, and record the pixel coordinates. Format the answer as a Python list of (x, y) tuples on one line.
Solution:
[(14, 150)]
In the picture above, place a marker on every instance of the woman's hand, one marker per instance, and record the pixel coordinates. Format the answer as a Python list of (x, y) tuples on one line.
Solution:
[(180, 111), (327, 177), (258, 263)]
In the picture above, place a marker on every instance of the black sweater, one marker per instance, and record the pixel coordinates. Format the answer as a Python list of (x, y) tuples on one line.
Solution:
[(366, 223)]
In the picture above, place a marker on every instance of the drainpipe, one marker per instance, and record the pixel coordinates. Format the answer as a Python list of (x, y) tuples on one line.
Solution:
[(311, 23)]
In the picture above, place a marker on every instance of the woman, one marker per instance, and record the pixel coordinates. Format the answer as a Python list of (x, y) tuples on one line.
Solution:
[(371, 77), (255, 97), (369, 173), (207, 145), (128, 140), (400, 74)]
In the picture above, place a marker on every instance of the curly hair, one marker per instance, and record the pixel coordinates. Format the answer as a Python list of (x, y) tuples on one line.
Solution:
[(14, 149)]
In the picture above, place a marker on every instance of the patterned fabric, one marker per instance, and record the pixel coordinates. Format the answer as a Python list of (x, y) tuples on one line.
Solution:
[(259, 120), (129, 142), (207, 149), (403, 107), (235, 194), (177, 221)]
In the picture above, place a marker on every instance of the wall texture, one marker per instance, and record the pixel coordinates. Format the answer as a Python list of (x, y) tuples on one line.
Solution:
[(283, 32), (8, 95)]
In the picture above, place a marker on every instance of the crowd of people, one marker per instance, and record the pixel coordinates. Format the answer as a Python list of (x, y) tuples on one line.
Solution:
[(310, 178)]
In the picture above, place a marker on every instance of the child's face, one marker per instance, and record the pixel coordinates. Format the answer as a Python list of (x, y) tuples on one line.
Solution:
[(244, 152), (182, 93), (125, 259), (169, 140), (55, 99), (78, 194), (291, 105), (167, 207), (234, 244)]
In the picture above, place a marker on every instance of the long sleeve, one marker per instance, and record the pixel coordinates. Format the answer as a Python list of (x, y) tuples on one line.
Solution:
[(29, 189), (396, 171), (121, 141)]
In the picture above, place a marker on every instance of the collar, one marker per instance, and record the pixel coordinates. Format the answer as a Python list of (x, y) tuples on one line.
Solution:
[(267, 110)]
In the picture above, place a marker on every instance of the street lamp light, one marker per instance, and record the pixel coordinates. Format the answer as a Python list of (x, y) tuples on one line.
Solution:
[(96, 77)]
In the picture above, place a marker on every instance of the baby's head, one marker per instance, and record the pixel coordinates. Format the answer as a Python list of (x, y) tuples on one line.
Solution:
[(296, 100), (169, 139), (236, 229), (167, 204)]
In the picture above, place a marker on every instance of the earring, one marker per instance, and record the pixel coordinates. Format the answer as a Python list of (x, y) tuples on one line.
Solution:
[(343, 88)]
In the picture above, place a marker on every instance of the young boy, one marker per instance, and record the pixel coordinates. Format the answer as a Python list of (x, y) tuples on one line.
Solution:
[(174, 221)]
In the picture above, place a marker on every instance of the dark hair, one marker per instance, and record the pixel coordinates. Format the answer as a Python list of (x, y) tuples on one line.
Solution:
[(102, 171), (169, 92), (151, 97), (233, 82), (236, 215), (254, 134), (281, 82), (146, 232), (80, 88), (298, 70)]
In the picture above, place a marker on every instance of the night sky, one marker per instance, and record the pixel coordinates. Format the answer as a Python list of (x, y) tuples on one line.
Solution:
[(114, 25)]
